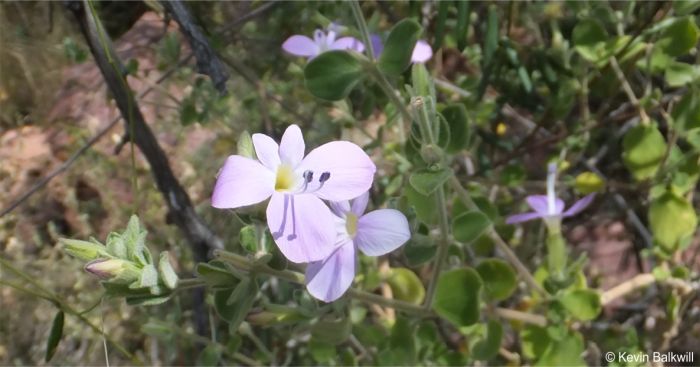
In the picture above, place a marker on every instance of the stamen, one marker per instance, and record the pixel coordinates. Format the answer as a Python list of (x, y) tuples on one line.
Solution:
[(324, 177), (551, 193), (294, 222), (308, 175), (280, 231)]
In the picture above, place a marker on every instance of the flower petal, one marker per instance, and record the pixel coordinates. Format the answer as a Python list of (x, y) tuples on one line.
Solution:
[(539, 204), (377, 45), (348, 43), (422, 52), (381, 231), (339, 208), (267, 150), (327, 280), (242, 181), (301, 46), (519, 218), (350, 168), (359, 205), (578, 206), (292, 146), (302, 227)]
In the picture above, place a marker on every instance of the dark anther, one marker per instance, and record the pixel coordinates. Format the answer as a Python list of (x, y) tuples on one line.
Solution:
[(324, 177), (308, 176)]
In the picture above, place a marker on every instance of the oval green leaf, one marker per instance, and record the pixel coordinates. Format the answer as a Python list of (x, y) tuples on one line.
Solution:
[(406, 286), (332, 75), (583, 304), (469, 226), (643, 150), (672, 219), (457, 296), (399, 46), (499, 278), (427, 181), (55, 335)]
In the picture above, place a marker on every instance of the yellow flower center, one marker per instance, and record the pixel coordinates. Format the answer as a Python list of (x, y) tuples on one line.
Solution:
[(285, 178), (351, 224)]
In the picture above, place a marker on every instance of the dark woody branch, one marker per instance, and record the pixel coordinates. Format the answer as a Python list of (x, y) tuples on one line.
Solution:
[(181, 211), (208, 62)]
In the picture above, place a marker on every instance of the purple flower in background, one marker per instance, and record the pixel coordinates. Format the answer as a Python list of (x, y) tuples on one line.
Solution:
[(550, 206), (301, 224), (421, 53), (300, 45), (375, 233)]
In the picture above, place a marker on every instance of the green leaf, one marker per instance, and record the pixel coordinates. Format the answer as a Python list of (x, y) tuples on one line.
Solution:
[(486, 349), (406, 285), (462, 29), (499, 278), (55, 335), (116, 246), (564, 352), (334, 331), (422, 83), (686, 114), (147, 300), (588, 33), (457, 296), (443, 10), (678, 74), (399, 46), (244, 146), (188, 112), (209, 356), (535, 340), (248, 238), (680, 37), (216, 274), (427, 181), (234, 304), (491, 40), (402, 343), (149, 277), (83, 250), (424, 205), (589, 182), (333, 74), (469, 226), (672, 220), (322, 351), (419, 249), (456, 117), (166, 271), (643, 150), (583, 304)]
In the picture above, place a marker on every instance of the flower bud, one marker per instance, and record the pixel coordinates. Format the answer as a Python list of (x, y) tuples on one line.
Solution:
[(431, 154), (83, 250), (112, 268)]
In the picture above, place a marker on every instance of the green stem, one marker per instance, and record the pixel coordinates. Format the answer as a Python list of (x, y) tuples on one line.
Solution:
[(243, 263), (390, 92), (426, 126), (500, 243), (183, 284), (364, 30)]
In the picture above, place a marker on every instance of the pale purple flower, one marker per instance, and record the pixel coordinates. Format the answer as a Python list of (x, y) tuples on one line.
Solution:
[(300, 223), (422, 52), (375, 233), (300, 45), (549, 206)]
